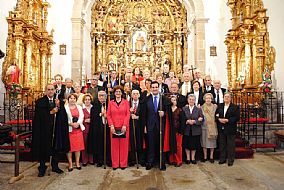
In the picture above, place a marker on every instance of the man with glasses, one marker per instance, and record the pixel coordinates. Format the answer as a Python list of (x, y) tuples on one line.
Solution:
[(43, 131), (94, 88)]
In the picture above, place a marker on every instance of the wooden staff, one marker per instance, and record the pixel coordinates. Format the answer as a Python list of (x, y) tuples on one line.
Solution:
[(50, 157), (161, 125), (134, 136), (105, 138), (108, 82), (192, 71)]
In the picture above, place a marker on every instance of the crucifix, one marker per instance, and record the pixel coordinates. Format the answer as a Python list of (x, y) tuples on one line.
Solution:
[(192, 71)]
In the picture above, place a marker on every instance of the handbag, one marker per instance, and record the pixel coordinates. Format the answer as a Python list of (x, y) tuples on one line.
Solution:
[(118, 134), (74, 119)]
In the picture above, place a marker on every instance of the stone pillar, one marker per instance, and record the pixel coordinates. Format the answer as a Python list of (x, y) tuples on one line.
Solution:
[(200, 48), (77, 48)]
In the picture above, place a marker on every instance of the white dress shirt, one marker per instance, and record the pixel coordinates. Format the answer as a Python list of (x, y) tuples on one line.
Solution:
[(196, 94), (183, 88), (221, 99), (226, 106)]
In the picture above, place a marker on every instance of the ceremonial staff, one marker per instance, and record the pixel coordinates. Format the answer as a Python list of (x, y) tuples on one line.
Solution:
[(161, 126), (134, 135), (104, 136), (57, 107)]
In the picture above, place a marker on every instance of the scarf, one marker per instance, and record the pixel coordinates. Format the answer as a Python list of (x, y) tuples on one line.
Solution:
[(209, 120)]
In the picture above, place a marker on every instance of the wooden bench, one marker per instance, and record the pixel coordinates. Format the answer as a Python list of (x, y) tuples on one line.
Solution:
[(280, 136)]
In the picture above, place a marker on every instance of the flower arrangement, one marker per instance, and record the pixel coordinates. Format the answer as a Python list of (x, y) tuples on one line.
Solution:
[(266, 85), (14, 89)]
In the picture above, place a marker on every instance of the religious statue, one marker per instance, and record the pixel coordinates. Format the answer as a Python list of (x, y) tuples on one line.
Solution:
[(140, 42), (13, 72)]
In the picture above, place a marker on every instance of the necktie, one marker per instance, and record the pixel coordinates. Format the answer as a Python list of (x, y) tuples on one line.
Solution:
[(155, 103), (102, 110), (218, 98), (51, 104), (135, 107), (185, 90)]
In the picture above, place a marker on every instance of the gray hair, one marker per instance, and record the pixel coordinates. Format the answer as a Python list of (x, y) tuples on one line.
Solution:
[(207, 94), (191, 96)]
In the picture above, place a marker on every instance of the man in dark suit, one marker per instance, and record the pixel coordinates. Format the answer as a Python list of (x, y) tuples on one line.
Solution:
[(109, 85), (44, 132), (227, 115), (94, 88), (181, 100), (103, 74), (162, 86), (136, 109), (98, 121), (208, 87), (153, 113), (69, 87), (218, 92)]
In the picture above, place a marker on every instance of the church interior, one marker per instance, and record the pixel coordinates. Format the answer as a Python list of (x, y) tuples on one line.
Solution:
[(235, 42)]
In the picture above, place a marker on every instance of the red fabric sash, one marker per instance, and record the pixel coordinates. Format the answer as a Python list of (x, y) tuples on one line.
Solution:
[(167, 135)]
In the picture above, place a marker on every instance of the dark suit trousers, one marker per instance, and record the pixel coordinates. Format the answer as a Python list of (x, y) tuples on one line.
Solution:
[(154, 146), (54, 162), (227, 146)]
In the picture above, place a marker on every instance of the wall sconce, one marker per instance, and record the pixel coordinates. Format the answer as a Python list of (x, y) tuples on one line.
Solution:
[(213, 51), (62, 49)]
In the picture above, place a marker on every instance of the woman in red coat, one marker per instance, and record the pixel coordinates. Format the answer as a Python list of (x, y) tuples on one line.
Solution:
[(118, 115)]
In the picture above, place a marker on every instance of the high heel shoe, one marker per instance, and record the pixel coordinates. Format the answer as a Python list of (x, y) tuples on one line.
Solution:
[(70, 169)]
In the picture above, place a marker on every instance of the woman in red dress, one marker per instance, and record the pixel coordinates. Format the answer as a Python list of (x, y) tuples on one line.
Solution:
[(87, 99), (75, 121), (118, 115)]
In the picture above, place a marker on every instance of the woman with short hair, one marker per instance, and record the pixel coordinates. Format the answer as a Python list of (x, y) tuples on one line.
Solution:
[(118, 115), (75, 121)]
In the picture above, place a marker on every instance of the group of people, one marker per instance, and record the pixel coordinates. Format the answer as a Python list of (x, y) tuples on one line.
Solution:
[(138, 119)]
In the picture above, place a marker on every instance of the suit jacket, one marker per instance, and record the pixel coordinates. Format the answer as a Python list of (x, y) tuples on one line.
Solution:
[(165, 88), (60, 92), (196, 128), (72, 90), (181, 85), (200, 97), (232, 114), (214, 94), (209, 91), (118, 116)]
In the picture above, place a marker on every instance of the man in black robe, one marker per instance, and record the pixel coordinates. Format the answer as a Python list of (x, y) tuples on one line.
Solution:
[(152, 116), (98, 122), (136, 109), (46, 109)]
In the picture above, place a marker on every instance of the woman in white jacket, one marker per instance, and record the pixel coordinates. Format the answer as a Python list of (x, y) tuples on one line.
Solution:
[(75, 121)]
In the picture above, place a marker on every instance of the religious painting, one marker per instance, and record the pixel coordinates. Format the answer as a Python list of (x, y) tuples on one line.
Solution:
[(112, 23), (62, 49), (139, 41)]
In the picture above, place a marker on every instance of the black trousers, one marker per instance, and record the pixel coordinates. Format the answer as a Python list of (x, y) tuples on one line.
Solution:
[(227, 146), (153, 154), (54, 162)]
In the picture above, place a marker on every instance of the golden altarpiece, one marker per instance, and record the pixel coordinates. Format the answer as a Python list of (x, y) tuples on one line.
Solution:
[(29, 45), (141, 33), (249, 52)]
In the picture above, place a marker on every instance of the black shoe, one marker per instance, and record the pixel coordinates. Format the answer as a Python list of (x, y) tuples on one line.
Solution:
[(193, 162), (41, 173), (84, 165), (70, 169), (163, 168), (114, 168), (187, 161), (211, 161), (122, 168), (203, 160), (178, 165), (149, 166), (57, 170), (222, 161), (78, 168), (230, 163), (99, 165), (131, 164)]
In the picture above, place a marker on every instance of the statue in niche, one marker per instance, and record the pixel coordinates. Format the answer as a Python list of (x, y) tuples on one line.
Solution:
[(14, 73), (140, 41)]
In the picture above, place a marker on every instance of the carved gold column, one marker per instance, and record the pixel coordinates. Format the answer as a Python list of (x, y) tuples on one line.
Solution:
[(248, 62), (175, 52), (18, 35), (28, 62), (233, 68), (185, 52), (43, 65), (93, 54)]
